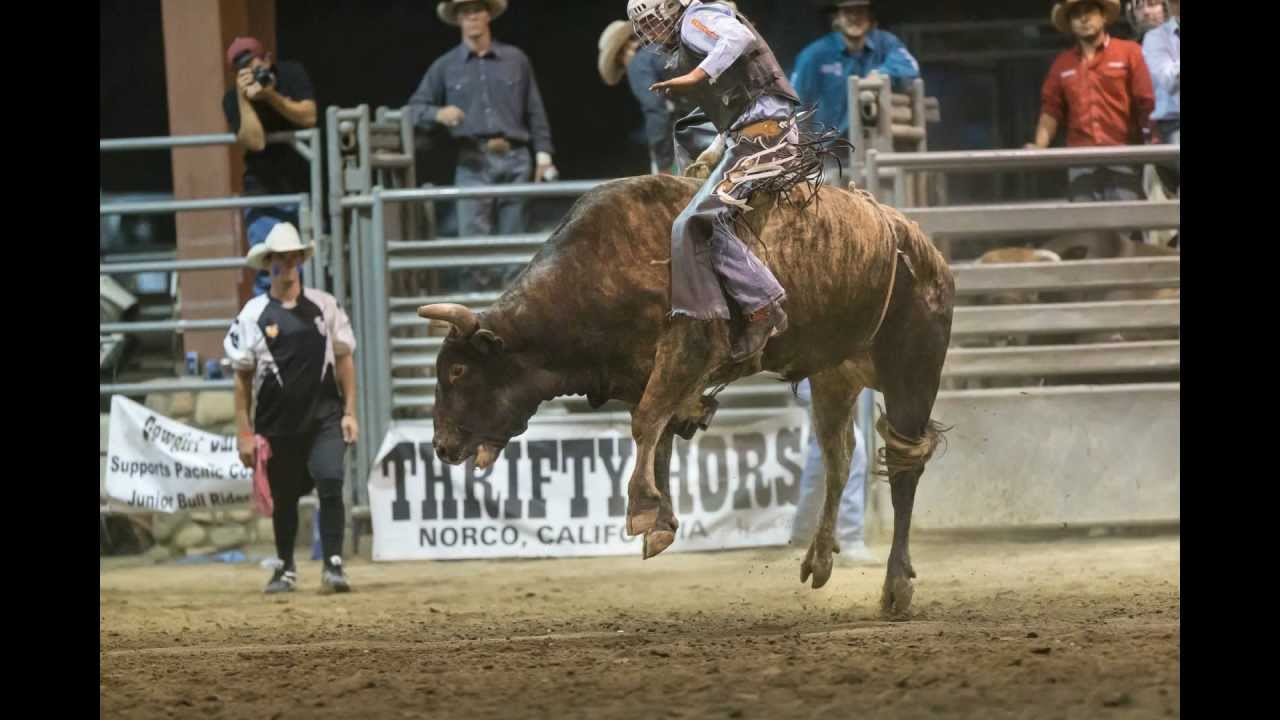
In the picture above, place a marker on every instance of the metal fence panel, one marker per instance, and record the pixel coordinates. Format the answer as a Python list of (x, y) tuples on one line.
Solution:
[(1066, 317)]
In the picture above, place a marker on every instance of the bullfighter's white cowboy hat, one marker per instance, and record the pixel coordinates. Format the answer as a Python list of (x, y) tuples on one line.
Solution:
[(283, 238), (448, 10)]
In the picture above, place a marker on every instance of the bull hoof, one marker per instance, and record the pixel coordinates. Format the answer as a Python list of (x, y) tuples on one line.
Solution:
[(816, 564), (895, 600), (641, 521), (655, 541)]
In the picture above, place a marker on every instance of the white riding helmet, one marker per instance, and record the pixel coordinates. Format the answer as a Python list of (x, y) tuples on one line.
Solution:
[(655, 21)]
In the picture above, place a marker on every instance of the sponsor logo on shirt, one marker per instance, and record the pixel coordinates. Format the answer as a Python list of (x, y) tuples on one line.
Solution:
[(708, 31), (273, 330), (1115, 64), (836, 69), (1066, 73)]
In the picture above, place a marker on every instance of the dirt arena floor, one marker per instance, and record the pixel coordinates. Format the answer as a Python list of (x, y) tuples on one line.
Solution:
[(1072, 628)]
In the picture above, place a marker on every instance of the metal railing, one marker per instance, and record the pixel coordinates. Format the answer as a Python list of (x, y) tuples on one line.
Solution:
[(305, 142), (900, 165)]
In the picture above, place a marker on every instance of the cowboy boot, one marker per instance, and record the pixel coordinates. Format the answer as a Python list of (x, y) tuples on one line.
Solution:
[(761, 325)]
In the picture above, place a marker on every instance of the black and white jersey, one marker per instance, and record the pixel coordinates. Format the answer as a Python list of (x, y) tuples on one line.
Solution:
[(292, 352)]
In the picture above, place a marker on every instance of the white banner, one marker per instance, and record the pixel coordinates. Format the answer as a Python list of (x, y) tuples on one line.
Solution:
[(560, 490), (155, 464)]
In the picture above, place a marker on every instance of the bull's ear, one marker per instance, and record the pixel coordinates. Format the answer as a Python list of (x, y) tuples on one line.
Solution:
[(486, 342)]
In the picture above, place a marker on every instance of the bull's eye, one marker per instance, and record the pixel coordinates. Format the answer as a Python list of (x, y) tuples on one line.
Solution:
[(456, 372)]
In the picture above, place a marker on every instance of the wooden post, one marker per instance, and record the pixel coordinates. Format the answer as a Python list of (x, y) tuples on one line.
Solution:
[(196, 36)]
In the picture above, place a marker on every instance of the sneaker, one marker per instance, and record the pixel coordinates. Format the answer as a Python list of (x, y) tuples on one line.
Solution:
[(855, 554), (333, 579), (282, 581)]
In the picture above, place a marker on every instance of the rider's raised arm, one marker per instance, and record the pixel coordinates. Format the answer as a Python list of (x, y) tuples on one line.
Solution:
[(717, 34)]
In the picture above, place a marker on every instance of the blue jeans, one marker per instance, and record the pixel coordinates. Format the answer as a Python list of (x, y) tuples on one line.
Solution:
[(478, 167), (1171, 173), (258, 223), (813, 487), (708, 260)]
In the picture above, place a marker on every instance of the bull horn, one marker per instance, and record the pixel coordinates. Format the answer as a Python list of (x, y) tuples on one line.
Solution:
[(460, 316)]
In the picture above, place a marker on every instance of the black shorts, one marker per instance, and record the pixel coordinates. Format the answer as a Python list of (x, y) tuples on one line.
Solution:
[(313, 460)]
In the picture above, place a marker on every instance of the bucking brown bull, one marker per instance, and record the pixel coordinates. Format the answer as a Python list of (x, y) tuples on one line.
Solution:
[(869, 301)]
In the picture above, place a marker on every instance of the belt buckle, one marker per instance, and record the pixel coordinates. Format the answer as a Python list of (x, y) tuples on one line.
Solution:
[(497, 145)]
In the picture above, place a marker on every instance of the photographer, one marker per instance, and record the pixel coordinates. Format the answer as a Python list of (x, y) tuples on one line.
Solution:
[(268, 97)]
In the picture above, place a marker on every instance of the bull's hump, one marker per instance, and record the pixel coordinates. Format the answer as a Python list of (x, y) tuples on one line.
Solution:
[(650, 188)]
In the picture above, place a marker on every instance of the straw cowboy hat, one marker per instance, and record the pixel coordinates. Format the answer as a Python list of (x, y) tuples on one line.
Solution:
[(283, 238), (1060, 17), (612, 40), (448, 10)]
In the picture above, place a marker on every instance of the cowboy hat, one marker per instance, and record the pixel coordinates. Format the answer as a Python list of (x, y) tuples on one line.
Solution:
[(612, 40), (283, 238), (448, 10), (1062, 12)]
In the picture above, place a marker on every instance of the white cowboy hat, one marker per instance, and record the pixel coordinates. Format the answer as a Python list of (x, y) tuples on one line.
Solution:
[(283, 238), (612, 40), (448, 10), (1062, 11)]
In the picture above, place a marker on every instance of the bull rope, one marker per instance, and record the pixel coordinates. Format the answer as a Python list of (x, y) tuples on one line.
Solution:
[(888, 228), (903, 454)]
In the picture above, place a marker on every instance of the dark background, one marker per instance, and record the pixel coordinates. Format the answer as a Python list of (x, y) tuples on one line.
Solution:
[(376, 52)]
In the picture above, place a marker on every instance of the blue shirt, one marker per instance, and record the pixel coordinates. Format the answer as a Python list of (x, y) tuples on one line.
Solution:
[(496, 92), (645, 69), (823, 68), (1162, 49)]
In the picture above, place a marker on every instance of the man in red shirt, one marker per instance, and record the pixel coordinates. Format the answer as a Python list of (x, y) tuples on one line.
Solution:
[(1101, 91)]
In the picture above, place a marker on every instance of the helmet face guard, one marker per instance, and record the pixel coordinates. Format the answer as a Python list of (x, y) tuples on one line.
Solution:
[(655, 21)]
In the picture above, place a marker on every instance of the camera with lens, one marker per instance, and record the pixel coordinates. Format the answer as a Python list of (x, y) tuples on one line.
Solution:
[(262, 75)]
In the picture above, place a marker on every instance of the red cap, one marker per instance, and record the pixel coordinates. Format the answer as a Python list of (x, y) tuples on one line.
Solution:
[(241, 44)]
